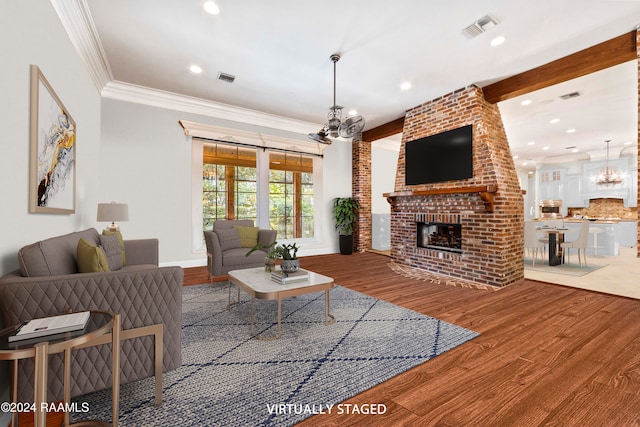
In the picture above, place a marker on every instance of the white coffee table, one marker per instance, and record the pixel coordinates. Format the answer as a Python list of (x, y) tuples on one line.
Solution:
[(258, 284)]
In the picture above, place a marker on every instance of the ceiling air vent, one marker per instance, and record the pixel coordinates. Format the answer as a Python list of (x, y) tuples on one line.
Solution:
[(570, 95), (226, 77), (480, 26)]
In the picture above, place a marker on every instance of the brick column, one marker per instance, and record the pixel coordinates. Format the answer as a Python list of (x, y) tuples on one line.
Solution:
[(361, 190), (638, 140)]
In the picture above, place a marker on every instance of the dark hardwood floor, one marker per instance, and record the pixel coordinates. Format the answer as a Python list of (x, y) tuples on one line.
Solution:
[(547, 354)]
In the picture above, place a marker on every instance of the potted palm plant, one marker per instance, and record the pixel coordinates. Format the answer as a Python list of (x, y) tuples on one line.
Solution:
[(345, 213)]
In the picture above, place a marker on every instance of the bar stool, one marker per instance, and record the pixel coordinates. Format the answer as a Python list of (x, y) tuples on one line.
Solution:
[(595, 231)]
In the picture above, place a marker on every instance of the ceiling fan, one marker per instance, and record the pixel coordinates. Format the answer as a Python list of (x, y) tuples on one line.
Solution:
[(335, 126)]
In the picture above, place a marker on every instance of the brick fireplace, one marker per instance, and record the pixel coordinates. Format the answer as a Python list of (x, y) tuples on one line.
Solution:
[(488, 207)]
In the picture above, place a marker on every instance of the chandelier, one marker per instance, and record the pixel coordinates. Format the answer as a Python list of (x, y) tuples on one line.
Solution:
[(335, 126), (608, 176)]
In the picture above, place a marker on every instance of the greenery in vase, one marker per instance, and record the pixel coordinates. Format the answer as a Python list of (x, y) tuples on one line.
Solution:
[(269, 249), (275, 252), (288, 251), (345, 213)]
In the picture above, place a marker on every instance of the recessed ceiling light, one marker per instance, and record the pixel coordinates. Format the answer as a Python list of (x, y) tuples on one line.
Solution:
[(531, 143), (575, 150), (545, 148), (526, 102), (405, 86), (353, 112), (211, 8), (554, 121), (571, 130), (195, 69), (498, 41), (524, 163), (515, 157), (628, 143)]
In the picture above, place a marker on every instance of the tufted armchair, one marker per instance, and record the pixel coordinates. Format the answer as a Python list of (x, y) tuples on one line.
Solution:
[(229, 242)]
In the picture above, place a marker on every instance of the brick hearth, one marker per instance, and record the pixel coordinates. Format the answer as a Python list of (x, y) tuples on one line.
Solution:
[(491, 241)]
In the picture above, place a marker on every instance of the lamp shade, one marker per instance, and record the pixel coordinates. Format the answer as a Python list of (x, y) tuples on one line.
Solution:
[(112, 212)]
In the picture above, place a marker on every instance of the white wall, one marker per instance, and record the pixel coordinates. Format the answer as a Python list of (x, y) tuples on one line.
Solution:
[(30, 33), (146, 162), (384, 162)]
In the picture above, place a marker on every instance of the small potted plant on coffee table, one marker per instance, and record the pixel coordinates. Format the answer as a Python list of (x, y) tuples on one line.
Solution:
[(288, 253), (272, 254)]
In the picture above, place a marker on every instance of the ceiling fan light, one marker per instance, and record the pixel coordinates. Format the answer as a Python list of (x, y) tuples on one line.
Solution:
[(321, 137), (335, 125)]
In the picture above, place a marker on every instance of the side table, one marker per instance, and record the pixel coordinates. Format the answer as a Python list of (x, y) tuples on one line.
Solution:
[(100, 324)]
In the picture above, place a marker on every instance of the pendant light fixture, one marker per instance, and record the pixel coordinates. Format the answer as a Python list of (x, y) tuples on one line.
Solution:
[(335, 126), (608, 176)]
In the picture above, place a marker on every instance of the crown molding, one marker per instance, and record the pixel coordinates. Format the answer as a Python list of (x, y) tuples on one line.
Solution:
[(78, 23), (76, 19), (156, 98)]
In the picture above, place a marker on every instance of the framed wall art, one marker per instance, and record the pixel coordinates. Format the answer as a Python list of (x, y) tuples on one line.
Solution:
[(52, 181)]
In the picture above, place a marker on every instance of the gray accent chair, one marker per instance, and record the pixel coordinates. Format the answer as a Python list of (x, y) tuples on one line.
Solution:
[(48, 283), (224, 254)]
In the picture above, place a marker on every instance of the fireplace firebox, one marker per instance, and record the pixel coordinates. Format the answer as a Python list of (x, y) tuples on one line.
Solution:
[(440, 236)]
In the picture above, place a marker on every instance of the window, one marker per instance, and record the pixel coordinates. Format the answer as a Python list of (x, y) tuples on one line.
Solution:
[(228, 183), (291, 195), (229, 189)]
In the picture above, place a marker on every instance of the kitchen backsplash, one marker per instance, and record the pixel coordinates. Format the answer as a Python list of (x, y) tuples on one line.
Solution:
[(605, 208)]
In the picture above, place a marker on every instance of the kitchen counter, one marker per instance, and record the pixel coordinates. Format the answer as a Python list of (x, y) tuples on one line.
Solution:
[(601, 220), (606, 235)]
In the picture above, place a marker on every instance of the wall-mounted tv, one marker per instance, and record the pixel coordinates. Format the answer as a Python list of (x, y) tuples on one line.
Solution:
[(447, 156)]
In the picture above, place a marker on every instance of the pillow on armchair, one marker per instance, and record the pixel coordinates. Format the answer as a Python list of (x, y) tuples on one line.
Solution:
[(229, 239), (248, 236)]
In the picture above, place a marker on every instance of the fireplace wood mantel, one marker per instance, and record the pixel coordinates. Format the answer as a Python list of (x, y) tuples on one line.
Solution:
[(486, 193)]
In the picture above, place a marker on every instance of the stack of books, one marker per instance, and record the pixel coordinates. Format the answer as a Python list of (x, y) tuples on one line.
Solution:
[(53, 325), (283, 278)]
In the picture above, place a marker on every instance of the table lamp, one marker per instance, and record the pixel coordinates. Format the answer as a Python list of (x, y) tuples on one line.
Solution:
[(113, 212)]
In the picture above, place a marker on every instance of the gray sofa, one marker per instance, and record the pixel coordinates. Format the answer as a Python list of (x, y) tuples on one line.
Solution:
[(144, 294)]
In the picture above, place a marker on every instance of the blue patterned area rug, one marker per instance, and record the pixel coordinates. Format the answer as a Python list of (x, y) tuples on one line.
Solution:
[(230, 379)]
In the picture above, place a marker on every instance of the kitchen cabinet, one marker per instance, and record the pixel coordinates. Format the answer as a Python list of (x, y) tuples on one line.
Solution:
[(628, 233), (633, 182), (573, 194), (550, 185)]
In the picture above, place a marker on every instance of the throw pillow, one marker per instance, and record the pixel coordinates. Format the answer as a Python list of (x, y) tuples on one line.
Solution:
[(120, 240), (91, 258), (229, 239), (111, 246), (248, 236)]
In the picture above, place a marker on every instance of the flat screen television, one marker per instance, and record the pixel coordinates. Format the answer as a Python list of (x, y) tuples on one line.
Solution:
[(447, 156)]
